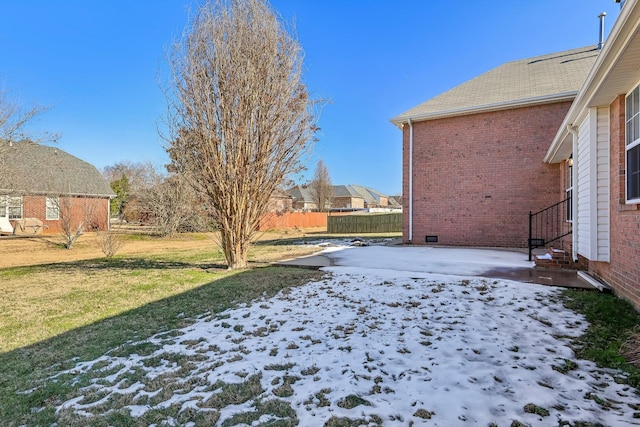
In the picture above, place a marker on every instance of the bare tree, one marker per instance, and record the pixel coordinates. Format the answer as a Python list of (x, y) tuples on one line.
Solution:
[(321, 188), (110, 242), (14, 118), (132, 181), (76, 215), (171, 203), (240, 116), (140, 175)]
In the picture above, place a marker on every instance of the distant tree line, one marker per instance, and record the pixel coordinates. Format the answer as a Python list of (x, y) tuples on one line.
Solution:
[(148, 196)]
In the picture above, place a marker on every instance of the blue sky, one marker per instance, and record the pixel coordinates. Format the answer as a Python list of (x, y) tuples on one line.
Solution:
[(98, 66)]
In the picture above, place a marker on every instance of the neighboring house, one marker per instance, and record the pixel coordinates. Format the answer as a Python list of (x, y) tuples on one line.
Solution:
[(372, 198), (46, 186), (302, 199), (395, 202), (360, 197), (280, 202), (600, 138), (346, 197), (472, 156)]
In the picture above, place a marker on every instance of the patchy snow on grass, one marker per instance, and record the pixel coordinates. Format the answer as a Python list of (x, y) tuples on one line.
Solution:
[(384, 346)]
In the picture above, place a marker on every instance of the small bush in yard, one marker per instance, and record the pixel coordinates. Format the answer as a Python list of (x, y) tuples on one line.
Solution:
[(110, 243)]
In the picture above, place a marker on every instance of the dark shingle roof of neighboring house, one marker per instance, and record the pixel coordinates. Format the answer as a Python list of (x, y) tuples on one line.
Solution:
[(31, 168), (542, 79)]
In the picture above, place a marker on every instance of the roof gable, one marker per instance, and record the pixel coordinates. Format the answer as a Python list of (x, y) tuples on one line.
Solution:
[(39, 169), (547, 78)]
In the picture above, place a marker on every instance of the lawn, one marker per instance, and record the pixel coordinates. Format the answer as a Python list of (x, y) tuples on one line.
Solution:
[(57, 313), (104, 333)]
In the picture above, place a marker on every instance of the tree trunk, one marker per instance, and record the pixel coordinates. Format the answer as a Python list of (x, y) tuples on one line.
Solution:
[(236, 250)]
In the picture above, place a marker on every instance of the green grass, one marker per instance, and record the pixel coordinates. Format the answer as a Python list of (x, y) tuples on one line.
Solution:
[(612, 321), (56, 315)]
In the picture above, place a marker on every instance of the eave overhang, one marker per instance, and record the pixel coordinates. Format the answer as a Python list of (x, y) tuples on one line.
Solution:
[(614, 73), (403, 119)]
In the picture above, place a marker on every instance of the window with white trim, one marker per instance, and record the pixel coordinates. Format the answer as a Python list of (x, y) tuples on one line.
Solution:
[(632, 116), (11, 207), (52, 208)]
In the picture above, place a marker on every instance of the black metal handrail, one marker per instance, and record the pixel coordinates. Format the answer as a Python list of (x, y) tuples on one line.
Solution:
[(548, 225)]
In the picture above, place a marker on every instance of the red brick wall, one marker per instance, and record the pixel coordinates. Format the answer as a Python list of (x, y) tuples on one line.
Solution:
[(476, 177), (347, 203), (623, 272), (97, 212)]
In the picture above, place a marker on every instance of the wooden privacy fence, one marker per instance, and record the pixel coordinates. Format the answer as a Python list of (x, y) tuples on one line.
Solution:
[(284, 220), (372, 223)]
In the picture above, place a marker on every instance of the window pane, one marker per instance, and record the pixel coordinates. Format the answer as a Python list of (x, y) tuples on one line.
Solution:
[(633, 99), (53, 211), (14, 207), (633, 173), (15, 212)]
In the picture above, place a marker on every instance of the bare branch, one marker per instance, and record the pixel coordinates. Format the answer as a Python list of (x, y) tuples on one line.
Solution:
[(14, 119)]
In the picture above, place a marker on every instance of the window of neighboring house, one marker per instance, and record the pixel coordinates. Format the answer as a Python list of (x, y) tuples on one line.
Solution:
[(569, 188), (53, 208), (11, 207), (632, 116)]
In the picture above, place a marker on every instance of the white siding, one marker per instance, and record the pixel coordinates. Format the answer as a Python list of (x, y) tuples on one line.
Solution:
[(592, 191), (603, 187), (583, 215)]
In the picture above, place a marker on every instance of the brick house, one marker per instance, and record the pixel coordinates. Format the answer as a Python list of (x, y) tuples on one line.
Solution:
[(349, 197), (346, 197), (302, 200), (42, 187), (556, 130), (597, 146), (472, 156)]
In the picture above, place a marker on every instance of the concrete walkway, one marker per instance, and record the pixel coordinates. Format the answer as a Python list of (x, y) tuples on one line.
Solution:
[(443, 260)]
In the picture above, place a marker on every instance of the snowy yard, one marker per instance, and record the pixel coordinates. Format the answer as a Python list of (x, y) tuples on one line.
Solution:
[(384, 339)]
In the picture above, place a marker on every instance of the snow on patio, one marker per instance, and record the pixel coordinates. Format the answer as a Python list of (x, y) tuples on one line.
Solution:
[(396, 344)]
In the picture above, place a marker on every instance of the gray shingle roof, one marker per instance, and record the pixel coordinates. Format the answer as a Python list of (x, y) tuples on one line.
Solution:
[(300, 193), (545, 78), (30, 168), (369, 195), (345, 191)]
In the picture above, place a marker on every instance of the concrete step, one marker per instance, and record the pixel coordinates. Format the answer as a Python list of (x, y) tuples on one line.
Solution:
[(555, 258)]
